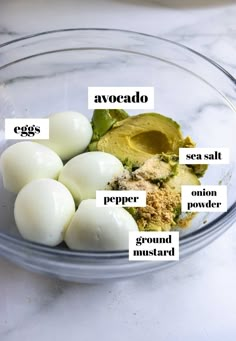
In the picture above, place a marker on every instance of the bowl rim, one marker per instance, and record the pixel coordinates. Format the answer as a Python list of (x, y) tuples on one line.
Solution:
[(193, 236)]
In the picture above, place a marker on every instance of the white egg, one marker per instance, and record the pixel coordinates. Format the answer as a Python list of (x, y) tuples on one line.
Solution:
[(99, 228), (26, 161), (43, 210), (69, 134), (88, 172)]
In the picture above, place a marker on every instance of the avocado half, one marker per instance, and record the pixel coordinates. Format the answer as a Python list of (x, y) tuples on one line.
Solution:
[(137, 138)]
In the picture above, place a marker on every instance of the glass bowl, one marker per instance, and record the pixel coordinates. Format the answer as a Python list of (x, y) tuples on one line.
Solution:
[(51, 71)]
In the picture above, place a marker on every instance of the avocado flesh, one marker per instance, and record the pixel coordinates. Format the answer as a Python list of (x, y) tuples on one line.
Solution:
[(140, 137), (199, 169), (184, 176)]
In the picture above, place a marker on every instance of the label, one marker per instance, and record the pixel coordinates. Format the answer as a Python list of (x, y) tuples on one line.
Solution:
[(154, 246), (214, 156), (121, 98), (121, 198), (25, 128), (204, 198)]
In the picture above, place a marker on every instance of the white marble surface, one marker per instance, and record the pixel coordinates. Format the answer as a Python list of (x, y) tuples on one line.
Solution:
[(196, 299)]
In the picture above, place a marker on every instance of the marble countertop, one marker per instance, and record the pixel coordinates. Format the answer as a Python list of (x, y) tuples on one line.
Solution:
[(194, 300)]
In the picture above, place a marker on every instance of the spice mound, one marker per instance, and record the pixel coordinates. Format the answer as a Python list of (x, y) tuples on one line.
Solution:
[(161, 177)]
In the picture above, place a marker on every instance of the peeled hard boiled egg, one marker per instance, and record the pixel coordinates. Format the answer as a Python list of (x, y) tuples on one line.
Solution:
[(43, 210), (26, 161), (99, 228), (88, 172), (69, 134)]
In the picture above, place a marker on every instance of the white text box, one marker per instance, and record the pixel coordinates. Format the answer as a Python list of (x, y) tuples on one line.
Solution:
[(26, 128), (121, 198), (214, 156), (204, 198), (154, 246), (121, 98)]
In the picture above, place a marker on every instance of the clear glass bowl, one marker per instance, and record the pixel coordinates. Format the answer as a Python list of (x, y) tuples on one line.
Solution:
[(51, 71)]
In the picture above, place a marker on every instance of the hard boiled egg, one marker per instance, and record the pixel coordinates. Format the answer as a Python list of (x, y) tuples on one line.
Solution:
[(88, 172), (43, 210), (69, 134), (99, 228), (26, 161)]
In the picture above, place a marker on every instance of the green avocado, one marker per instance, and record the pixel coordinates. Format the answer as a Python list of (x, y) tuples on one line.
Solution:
[(199, 170), (137, 138), (184, 176), (104, 119)]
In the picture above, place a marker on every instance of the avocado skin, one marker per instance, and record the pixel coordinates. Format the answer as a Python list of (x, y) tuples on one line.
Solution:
[(104, 119)]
